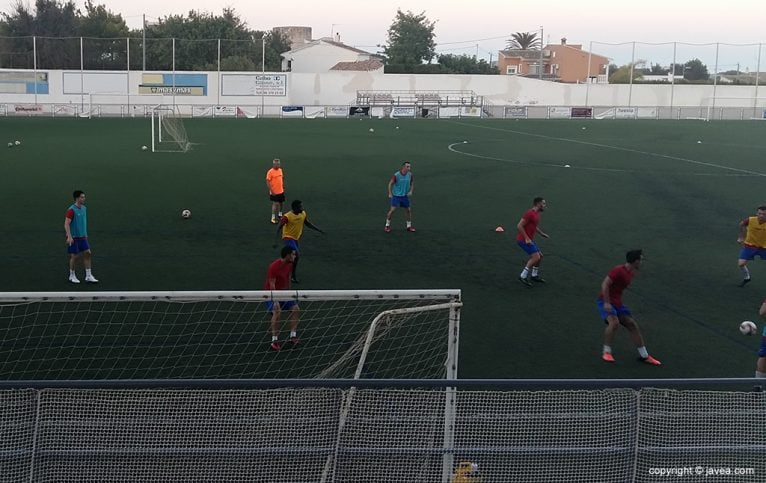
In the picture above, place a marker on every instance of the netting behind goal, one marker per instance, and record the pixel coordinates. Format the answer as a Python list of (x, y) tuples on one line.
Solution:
[(171, 133), (204, 335), (294, 435)]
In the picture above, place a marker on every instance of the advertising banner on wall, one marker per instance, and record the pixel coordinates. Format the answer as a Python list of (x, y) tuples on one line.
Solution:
[(559, 112), (402, 111), (23, 82), (225, 111), (359, 111), (26, 109), (292, 111), (582, 112), (470, 111), (516, 112), (269, 85), (447, 112), (646, 113), (173, 84), (624, 112), (313, 112), (337, 111)]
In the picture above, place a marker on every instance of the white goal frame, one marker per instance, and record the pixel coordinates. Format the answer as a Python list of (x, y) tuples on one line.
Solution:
[(157, 135)]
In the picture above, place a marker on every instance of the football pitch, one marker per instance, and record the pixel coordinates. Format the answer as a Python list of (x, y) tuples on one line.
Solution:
[(677, 189)]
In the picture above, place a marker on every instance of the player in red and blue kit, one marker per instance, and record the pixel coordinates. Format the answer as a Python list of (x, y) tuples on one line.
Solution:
[(527, 228), (615, 313), (278, 278), (76, 229)]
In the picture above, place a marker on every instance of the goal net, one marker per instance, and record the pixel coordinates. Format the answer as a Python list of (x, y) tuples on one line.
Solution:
[(170, 134), (224, 335)]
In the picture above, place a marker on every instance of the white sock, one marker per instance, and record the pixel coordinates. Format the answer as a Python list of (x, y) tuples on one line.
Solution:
[(274, 338), (607, 349), (71, 273), (745, 272), (535, 271), (642, 352), (293, 334), (88, 272), (524, 273), (760, 374), (388, 222), (409, 224), (279, 214)]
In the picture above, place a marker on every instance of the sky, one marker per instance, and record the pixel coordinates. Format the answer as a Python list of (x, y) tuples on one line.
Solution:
[(468, 27)]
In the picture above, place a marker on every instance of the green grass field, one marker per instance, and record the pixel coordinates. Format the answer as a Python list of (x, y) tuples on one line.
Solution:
[(646, 184)]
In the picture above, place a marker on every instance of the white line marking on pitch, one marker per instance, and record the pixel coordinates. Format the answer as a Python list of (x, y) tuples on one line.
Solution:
[(606, 146)]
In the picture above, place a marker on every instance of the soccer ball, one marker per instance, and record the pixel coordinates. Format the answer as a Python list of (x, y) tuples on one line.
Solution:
[(144, 148), (186, 214), (10, 145), (372, 130), (17, 143), (748, 328)]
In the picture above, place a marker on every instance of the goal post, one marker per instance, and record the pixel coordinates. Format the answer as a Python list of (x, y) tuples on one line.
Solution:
[(368, 334), (170, 133)]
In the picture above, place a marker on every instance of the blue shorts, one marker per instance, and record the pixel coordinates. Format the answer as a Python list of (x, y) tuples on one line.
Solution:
[(529, 248), (400, 201), (80, 245), (289, 242), (749, 253), (617, 310), (286, 305)]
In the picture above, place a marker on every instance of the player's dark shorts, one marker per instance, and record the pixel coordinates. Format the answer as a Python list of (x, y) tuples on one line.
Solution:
[(280, 198), (617, 310), (749, 253), (400, 201), (285, 305), (80, 245), (289, 242), (529, 248)]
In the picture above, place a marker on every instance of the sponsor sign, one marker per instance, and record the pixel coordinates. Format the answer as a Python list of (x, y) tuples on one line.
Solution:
[(447, 112), (271, 85), (399, 111), (470, 111), (225, 111), (359, 111), (582, 112), (313, 112), (27, 109), (516, 112), (646, 113), (625, 113), (559, 112), (172, 91), (292, 111), (337, 111)]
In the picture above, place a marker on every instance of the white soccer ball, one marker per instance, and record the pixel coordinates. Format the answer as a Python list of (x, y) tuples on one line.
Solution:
[(567, 166), (748, 328), (144, 148), (17, 143), (584, 128), (10, 145), (465, 142), (397, 127), (186, 214), (372, 130), (699, 142)]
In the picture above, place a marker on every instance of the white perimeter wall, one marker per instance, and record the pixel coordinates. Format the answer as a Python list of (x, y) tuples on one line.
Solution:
[(339, 88)]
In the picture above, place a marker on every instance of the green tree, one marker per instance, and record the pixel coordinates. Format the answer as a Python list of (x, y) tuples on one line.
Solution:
[(622, 74), (524, 41), (51, 20), (695, 70), (104, 35), (410, 39), (465, 64)]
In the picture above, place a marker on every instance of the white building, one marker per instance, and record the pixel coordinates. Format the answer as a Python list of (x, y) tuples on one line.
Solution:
[(321, 55)]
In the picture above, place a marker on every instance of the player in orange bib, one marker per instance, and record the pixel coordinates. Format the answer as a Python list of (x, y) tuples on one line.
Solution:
[(275, 182)]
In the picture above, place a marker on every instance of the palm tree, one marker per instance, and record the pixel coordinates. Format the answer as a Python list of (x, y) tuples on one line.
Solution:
[(524, 41)]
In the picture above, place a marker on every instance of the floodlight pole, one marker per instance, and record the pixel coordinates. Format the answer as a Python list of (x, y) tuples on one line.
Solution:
[(632, 66), (82, 78), (540, 73), (715, 77), (143, 42), (587, 76), (757, 76), (673, 78), (263, 68)]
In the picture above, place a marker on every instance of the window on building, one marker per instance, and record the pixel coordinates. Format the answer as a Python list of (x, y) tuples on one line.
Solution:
[(511, 69)]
